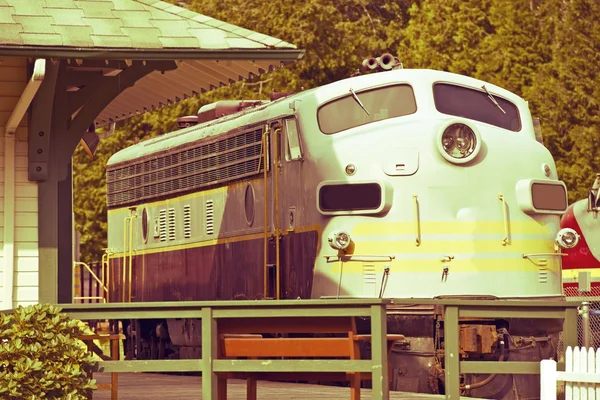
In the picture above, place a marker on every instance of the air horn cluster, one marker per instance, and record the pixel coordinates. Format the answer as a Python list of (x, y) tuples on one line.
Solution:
[(384, 63)]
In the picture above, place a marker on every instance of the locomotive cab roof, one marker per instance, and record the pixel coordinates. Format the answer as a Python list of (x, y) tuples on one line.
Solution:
[(212, 118)]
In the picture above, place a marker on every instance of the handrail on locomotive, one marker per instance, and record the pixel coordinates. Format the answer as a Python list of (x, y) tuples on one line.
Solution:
[(99, 281)]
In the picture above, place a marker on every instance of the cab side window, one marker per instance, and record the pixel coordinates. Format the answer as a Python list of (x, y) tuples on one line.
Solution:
[(293, 150)]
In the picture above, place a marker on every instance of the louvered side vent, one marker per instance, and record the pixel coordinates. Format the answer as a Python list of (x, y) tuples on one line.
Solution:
[(184, 170), (369, 274), (542, 270), (370, 279), (162, 225), (210, 217), (187, 221), (172, 226)]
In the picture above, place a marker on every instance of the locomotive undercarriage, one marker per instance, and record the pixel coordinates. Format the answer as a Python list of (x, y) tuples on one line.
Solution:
[(417, 362)]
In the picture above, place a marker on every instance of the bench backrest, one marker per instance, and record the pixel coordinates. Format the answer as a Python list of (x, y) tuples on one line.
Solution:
[(264, 325)]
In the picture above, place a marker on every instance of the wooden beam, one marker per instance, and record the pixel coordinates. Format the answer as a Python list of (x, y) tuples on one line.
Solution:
[(287, 347), (40, 169)]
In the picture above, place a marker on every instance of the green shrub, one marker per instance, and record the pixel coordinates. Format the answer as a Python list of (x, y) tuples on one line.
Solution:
[(41, 357)]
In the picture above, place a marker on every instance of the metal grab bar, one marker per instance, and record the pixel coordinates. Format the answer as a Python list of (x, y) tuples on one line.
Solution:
[(90, 298), (265, 210), (130, 283), (124, 264), (505, 218), (106, 264), (359, 257), (127, 267), (276, 160), (417, 221), (544, 261), (98, 280)]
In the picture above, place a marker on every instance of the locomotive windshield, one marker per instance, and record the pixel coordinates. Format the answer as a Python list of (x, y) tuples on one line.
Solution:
[(478, 105), (373, 105)]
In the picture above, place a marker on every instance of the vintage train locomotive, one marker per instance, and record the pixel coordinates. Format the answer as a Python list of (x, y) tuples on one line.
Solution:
[(400, 183)]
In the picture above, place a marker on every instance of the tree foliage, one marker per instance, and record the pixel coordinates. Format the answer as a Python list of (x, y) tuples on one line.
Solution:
[(566, 92), (544, 50)]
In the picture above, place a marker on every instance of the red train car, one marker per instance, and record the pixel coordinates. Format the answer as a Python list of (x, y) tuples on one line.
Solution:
[(581, 265)]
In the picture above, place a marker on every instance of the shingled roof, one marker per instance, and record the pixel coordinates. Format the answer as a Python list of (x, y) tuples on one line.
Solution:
[(213, 53)]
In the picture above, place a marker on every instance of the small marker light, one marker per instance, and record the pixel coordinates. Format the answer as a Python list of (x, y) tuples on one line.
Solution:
[(350, 169), (567, 238), (339, 240)]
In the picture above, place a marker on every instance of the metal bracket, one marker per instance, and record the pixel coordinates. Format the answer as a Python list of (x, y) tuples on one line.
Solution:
[(544, 262), (352, 257)]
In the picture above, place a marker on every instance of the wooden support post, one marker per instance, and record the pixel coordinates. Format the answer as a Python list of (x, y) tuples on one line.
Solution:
[(381, 388), (209, 353), (114, 355), (570, 327), (452, 355), (114, 377)]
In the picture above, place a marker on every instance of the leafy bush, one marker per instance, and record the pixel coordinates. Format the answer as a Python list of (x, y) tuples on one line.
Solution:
[(41, 357)]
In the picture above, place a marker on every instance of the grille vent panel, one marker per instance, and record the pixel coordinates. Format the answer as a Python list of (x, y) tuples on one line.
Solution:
[(187, 221), (184, 170), (172, 224), (210, 217), (162, 225)]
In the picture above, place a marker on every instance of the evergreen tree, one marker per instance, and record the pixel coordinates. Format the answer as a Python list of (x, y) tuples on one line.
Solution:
[(445, 35), (513, 50), (566, 93)]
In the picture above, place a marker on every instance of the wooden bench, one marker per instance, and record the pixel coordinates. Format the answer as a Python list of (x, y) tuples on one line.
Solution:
[(113, 386), (243, 337)]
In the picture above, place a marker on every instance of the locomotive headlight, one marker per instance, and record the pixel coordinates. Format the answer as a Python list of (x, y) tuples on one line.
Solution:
[(567, 238), (339, 240), (459, 143)]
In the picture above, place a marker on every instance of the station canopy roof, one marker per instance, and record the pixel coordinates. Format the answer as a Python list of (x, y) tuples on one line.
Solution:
[(210, 53)]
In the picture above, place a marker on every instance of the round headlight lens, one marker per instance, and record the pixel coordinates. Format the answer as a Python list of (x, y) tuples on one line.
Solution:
[(459, 141), (339, 240), (567, 238)]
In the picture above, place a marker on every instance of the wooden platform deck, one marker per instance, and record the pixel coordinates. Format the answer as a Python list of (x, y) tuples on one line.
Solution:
[(140, 386)]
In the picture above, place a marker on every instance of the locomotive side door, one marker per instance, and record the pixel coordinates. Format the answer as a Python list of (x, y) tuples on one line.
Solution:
[(294, 280), (283, 248)]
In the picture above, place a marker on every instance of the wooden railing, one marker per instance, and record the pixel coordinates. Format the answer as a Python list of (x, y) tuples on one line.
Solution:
[(375, 309), (211, 312)]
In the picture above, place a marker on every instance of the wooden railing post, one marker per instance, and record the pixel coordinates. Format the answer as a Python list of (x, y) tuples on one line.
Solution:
[(379, 352), (209, 353), (570, 327), (452, 355)]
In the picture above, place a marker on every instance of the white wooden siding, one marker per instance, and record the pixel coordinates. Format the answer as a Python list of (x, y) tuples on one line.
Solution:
[(13, 79)]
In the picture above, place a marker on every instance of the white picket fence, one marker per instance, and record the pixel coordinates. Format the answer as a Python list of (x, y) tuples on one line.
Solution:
[(581, 375)]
